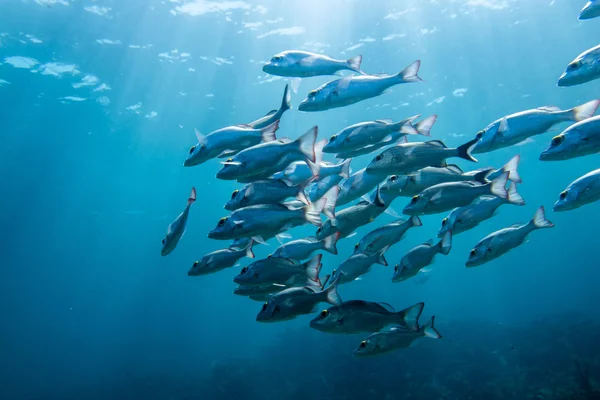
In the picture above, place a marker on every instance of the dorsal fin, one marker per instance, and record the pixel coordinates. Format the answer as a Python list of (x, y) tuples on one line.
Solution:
[(245, 126), (455, 168), (549, 108), (270, 113), (437, 143)]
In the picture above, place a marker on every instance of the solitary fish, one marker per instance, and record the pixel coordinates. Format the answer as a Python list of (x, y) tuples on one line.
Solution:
[(580, 139), (582, 191), (358, 316), (301, 249), (281, 271), (352, 89), (405, 158), (228, 141), (177, 228), (386, 235), (590, 10), (219, 260), (393, 339), (270, 191), (584, 68), (358, 184), (274, 115), (358, 264), (468, 217), (516, 128), (504, 240), (420, 257)]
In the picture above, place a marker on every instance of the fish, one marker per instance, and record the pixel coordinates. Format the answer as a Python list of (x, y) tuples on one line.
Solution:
[(219, 260), (258, 293), (359, 316), (516, 128), (364, 133), (274, 115), (501, 242), (386, 235), (177, 228), (584, 68), (304, 64), (582, 191), (301, 249), (420, 257), (318, 189), (266, 158), (511, 167), (578, 140), (405, 158), (357, 185), (590, 10), (228, 141), (396, 338), (269, 191), (293, 302), (300, 171), (352, 89), (281, 271), (462, 219), (358, 264), (447, 196)]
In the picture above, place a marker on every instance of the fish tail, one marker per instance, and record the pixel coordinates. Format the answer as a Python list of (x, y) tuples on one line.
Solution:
[(330, 202), (445, 244), (381, 256), (584, 111), (539, 220), (192, 197), (268, 132), (313, 267), (300, 194), (345, 168), (511, 168), (482, 175), (248, 249), (430, 331), (315, 167), (464, 151), (498, 186), (332, 294), (354, 63), (306, 144), (312, 212), (286, 102), (329, 243), (513, 196), (410, 73), (416, 221), (424, 127), (409, 317)]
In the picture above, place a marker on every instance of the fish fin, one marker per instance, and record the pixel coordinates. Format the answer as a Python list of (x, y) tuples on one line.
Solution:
[(384, 121), (345, 170), (313, 267), (295, 82), (390, 211), (585, 111), (430, 330), (227, 153), (354, 63), (464, 151), (325, 280), (429, 242), (192, 197), (281, 236), (343, 83), (446, 243), (437, 143), (332, 295), (271, 112), (268, 133), (312, 212), (249, 191), (436, 196), (482, 175), (416, 221), (381, 257), (307, 61), (201, 138), (513, 196), (409, 317), (352, 234), (306, 143), (410, 73), (498, 186), (378, 200), (259, 239), (539, 219), (249, 252), (329, 243), (456, 169), (424, 127), (387, 139), (286, 102), (549, 108), (511, 168), (231, 163), (503, 127), (330, 201)]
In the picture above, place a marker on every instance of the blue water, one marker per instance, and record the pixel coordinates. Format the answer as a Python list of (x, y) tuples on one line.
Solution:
[(90, 182)]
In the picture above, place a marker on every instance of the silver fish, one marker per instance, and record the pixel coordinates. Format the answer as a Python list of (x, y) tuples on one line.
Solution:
[(300, 171), (358, 264), (303, 64), (468, 217), (177, 228), (281, 271), (270, 191), (301, 249), (446, 196), (405, 158), (219, 260), (358, 316), (318, 189), (582, 191), (516, 128), (420, 257), (386, 236), (501, 242), (352, 89), (274, 115), (394, 339), (228, 141), (590, 10), (358, 184), (583, 69), (578, 140), (259, 293)]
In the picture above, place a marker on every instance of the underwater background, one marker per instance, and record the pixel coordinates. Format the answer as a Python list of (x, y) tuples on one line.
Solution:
[(99, 103)]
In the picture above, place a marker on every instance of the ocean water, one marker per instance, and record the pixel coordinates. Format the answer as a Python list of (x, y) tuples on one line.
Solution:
[(99, 103)]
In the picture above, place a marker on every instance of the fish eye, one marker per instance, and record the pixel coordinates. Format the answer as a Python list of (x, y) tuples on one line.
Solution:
[(312, 93), (324, 313), (195, 264), (163, 241), (574, 65), (229, 160), (222, 221), (319, 230), (270, 255), (356, 246), (192, 149), (444, 221), (479, 135), (396, 268), (394, 178), (563, 195), (264, 306), (244, 270), (557, 140), (234, 193), (415, 199), (473, 252), (332, 138), (363, 344), (379, 157)]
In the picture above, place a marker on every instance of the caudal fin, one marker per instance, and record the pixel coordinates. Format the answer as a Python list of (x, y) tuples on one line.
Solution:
[(354, 64), (498, 186), (585, 111), (416, 221), (249, 252), (381, 257), (330, 201), (482, 175), (315, 167), (286, 102), (424, 127), (410, 73), (539, 219), (306, 144), (313, 267), (268, 133), (409, 317), (312, 212), (430, 331), (513, 196), (464, 151), (511, 168), (345, 168), (331, 292), (446, 243), (329, 243), (192, 197)]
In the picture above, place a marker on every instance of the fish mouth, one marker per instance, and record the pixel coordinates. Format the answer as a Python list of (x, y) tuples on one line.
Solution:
[(306, 105)]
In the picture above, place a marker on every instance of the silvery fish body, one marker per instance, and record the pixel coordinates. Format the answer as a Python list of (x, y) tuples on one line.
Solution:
[(420, 257), (177, 228), (582, 191), (583, 69), (303, 64), (578, 140), (357, 265), (317, 190), (358, 184), (386, 235), (269, 191), (300, 171), (301, 249), (258, 293), (280, 271), (219, 260)]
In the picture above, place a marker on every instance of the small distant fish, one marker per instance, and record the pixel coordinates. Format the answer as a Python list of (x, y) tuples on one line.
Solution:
[(274, 115), (259, 293), (301, 249), (386, 235), (357, 185), (468, 217), (590, 10), (396, 338), (446, 196), (358, 264), (300, 171), (582, 191), (504, 240), (228, 141), (281, 271), (515, 128), (293, 302), (583, 69), (420, 257), (177, 228), (405, 158), (358, 316), (270, 191), (352, 89), (578, 140), (219, 260)]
